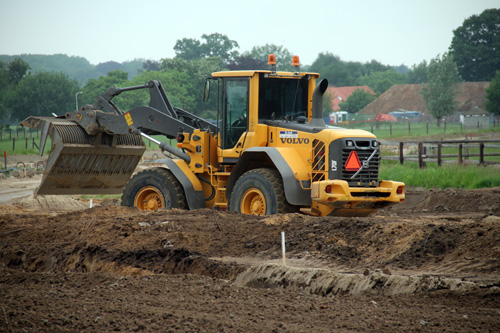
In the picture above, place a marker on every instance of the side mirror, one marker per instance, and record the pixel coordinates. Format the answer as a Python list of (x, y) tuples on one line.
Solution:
[(206, 91)]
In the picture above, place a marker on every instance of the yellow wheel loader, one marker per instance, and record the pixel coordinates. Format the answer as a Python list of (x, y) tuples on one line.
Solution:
[(268, 152)]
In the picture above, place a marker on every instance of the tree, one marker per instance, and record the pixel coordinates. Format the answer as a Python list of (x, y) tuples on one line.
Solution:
[(418, 73), (341, 73), (475, 46), (151, 65), (247, 62), (492, 103), (358, 100), (197, 71), (188, 49), (214, 45), (442, 87), (177, 86), (42, 94), (17, 70), (332, 68), (96, 87), (108, 66), (283, 56), (133, 67), (4, 87), (77, 68), (381, 81)]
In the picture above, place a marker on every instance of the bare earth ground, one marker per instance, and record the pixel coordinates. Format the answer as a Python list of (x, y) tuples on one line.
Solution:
[(429, 264)]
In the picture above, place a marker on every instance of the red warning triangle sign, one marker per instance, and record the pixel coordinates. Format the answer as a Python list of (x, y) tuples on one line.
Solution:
[(352, 163)]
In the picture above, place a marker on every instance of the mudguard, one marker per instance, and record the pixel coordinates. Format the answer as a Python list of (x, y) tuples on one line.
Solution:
[(296, 193), (191, 185)]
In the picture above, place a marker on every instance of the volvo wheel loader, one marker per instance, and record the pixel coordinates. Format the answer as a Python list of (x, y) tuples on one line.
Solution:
[(269, 151)]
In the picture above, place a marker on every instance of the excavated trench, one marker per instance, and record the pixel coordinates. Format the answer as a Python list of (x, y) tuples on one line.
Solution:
[(401, 251), (267, 274)]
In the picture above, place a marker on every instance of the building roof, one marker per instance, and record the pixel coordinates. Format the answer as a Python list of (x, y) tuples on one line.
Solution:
[(341, 94)]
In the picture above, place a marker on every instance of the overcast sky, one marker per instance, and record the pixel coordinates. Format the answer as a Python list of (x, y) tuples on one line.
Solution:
[(393, 32)]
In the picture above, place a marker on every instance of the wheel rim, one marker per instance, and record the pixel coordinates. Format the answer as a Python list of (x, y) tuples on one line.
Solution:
[(149, 198), (253, 202)]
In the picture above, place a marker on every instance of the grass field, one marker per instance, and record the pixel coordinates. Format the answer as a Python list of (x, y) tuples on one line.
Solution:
[(447, 176), (409, 130)]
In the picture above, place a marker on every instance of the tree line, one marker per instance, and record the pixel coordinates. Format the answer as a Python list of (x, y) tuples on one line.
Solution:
[(25, 89)]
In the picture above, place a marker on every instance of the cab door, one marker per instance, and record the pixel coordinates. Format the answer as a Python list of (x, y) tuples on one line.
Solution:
[(234, 111)]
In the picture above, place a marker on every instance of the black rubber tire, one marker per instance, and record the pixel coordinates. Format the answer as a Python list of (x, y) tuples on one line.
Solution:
[(163, 181), (270, 184)]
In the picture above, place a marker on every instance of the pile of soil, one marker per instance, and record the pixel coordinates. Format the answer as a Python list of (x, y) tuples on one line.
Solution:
[(408, 97), (431, 263)]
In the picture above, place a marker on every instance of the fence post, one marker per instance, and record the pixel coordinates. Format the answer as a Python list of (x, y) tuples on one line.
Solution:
[(421, 163), (427, 128), (445, 126), (409, 127), (390, 128), (13, 143), (460, 159), (481, 153), (401, 154), (26, 146), (439, 155)]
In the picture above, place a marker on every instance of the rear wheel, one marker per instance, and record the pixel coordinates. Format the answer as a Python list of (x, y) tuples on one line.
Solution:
[(260, 192), (153, 189)]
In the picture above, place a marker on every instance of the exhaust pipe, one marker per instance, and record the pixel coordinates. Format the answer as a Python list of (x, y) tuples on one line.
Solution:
[(317, 108)]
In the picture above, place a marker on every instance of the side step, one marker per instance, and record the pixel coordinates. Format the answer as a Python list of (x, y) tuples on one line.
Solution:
[(82, 164)]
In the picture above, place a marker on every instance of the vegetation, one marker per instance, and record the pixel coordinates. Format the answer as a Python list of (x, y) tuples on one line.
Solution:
[(77, 68), (214, 45), (387, 130), (492, 103), (41, 94), (442, 87), (448, 176), (358, 100), (382, 81), (475, 46)]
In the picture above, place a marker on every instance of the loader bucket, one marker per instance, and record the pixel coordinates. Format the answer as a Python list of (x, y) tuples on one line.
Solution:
[(83, 164)]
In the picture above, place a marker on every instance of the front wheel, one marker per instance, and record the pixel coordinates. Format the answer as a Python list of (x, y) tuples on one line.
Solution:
[(260, 192), (153, 189)]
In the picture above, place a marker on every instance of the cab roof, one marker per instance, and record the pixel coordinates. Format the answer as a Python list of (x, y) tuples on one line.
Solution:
[(249, 73)]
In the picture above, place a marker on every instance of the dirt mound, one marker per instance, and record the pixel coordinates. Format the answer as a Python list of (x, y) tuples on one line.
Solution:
[(116, 268), (452, 201), (407, 97)]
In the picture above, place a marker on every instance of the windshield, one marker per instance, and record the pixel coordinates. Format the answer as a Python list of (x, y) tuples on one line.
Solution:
[(282, 98)]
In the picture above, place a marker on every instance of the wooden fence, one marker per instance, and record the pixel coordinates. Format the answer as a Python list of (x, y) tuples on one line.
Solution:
[(467, 151)]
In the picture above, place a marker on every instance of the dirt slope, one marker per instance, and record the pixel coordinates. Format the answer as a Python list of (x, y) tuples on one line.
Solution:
[(431, 263), (407, 97)]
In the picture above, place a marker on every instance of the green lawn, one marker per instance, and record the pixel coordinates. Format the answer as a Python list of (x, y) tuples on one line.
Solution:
[(446, 176)]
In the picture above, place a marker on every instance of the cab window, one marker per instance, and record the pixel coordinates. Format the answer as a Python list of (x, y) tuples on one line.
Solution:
[(282, 98), (235, 111)]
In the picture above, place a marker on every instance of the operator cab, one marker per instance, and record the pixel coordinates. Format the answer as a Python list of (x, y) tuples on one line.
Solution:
[(277, 96)]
